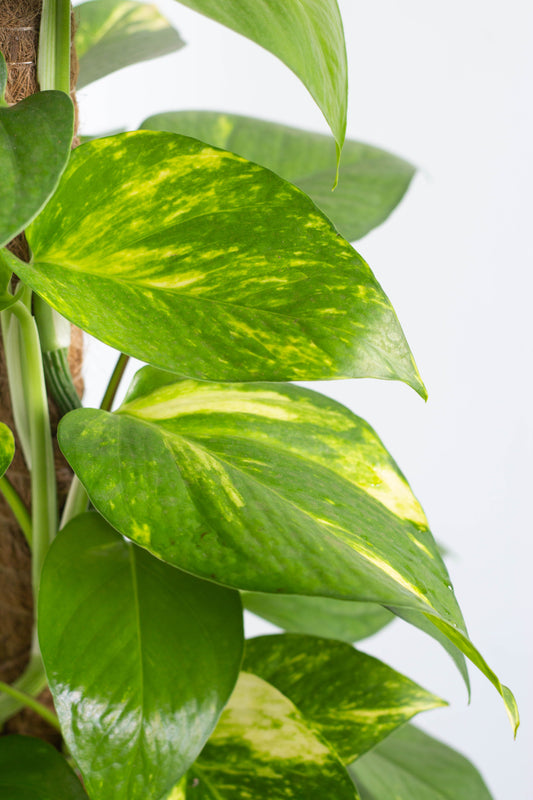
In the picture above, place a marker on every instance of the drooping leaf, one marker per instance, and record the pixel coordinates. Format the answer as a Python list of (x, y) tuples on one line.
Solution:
[(31, 769), (229, 273), (140, 658), (353, 699), (268, 488), (410, 764), (307, 35), (263, 748), (319, 616), (371, 181), (7, 448), (112, 34), (35, 139)]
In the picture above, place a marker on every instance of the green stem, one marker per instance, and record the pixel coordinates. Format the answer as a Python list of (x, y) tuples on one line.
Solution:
[(53, 67), (31, 682), (114, 382), (31, 702), (43, 480), (18, 508)]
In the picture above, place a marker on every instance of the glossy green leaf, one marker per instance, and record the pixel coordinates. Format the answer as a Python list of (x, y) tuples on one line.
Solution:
[(31, 769), (229, 273), (113, 34), (411, 765), (263, 748), (307, 35), (268, 488), (7, 448), (140, 658), (319, 616), (371, 182), (353, 699), (35, 139)]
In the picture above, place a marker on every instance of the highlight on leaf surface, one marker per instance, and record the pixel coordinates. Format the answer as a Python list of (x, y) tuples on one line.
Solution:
[(352, 699), (266, 488), (411, 764), (307, 35), (112, 34), (229, 273), (31, 769), (35, 139), (264, 748), (371, 181), (165, 651)]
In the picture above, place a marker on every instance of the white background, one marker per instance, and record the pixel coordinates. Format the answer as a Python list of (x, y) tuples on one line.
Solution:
[(447, 86)]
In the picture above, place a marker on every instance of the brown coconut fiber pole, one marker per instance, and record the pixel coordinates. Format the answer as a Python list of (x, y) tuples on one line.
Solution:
[(19, 36)]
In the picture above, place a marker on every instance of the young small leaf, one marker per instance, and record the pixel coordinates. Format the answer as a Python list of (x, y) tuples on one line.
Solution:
[(263, 748), (35, 139), (319, 616), (371, 182), (353, 699), (7, 448), (112, 34), (411, 764), (31, 769), (229, 273), (140, 658), (307, 35)]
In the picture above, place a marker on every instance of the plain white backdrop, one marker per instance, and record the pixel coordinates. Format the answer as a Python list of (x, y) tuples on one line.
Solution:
[(449, 88)]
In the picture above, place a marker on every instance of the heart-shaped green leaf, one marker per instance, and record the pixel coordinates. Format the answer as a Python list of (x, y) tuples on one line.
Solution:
[(7, 448), (371, 182), (112, 34), (353, 699), (307, 35), (140, 658), (35, 139), (319, 616), (263, 748), (31, 769), (410, 764), (229, 273)]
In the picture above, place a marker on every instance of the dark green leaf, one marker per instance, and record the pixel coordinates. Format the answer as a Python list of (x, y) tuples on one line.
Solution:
[(411, 765), (3, 81), (7, 448), (229, 273), (140, 657), (319, 616), (268, 488), (35, 139), (113, 34), (371, 181), (263, 748), (307, 35), (31, 769), (353, 699)]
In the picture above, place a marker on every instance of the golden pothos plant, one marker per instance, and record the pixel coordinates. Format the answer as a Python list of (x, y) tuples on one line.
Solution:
[(212, 248)]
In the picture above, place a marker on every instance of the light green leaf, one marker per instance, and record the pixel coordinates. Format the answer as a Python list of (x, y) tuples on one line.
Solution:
[(307, 35), (31, 769), (353, 699), (410, 764), (263, 748), (229, 273), (7, 448), (165, 650), (371, 182), (35, 139), (319, 616), (113, 34)]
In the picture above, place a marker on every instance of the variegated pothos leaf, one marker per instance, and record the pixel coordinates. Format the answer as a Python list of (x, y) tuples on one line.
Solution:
[(229, 272)]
